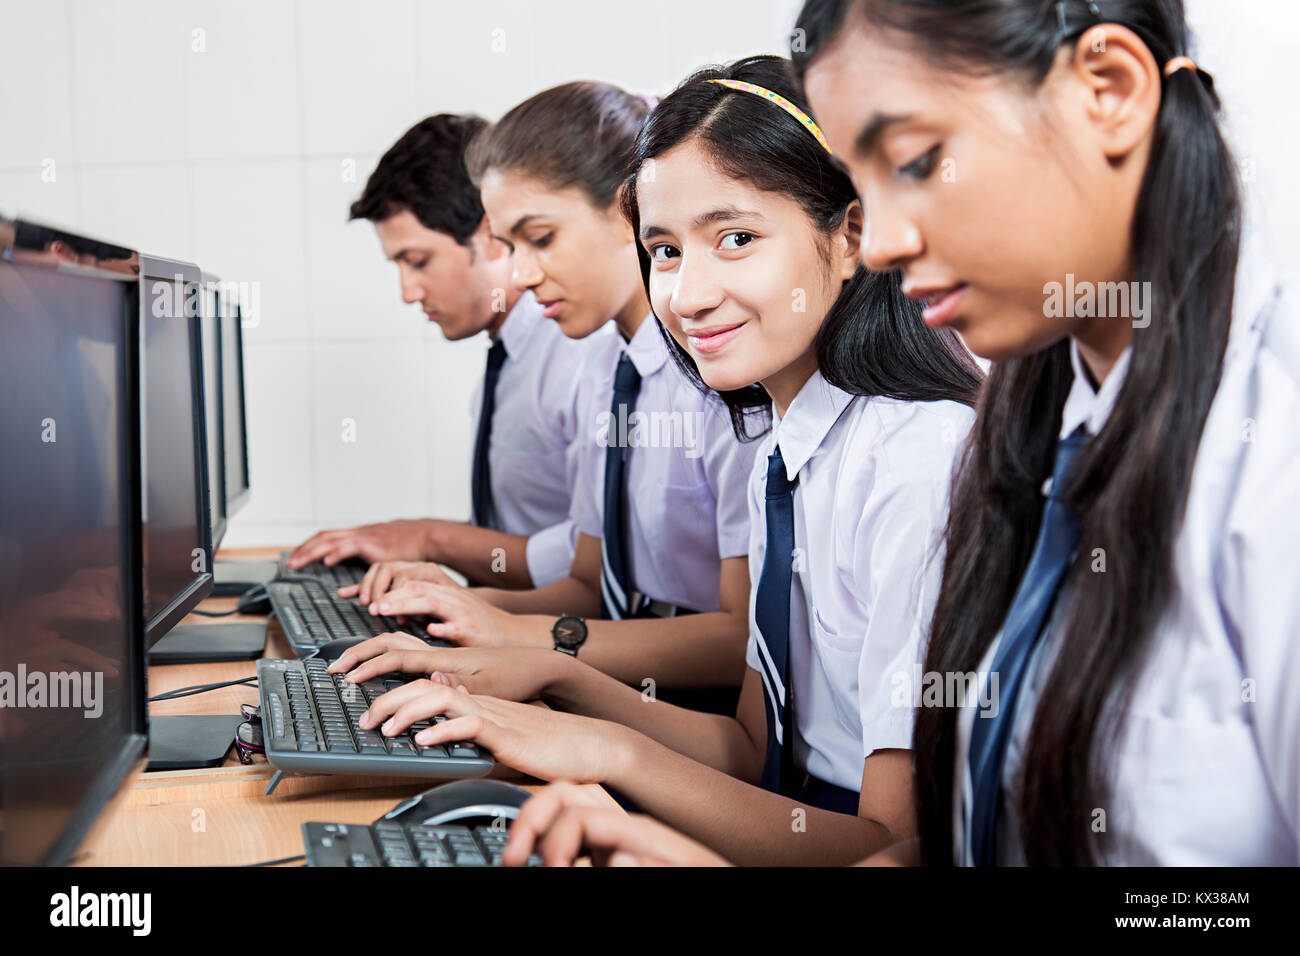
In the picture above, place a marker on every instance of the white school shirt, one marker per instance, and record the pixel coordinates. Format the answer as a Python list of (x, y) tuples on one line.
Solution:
[(869, 511), (1200, 776), (684, 480), (536, 433)]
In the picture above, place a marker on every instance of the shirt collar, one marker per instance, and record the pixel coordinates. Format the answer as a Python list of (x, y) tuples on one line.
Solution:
[(1086, 406), (647, 348), (520, 324), (807, 421)]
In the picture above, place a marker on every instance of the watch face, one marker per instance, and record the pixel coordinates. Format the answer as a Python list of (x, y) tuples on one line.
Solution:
[(570, 632)]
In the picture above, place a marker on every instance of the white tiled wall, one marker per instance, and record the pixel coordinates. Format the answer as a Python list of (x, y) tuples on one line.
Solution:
[(235, 133)]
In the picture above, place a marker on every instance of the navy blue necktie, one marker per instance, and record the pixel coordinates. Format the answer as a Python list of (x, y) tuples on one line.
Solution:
[(772, 617), (616, 597), (1058, 538), (481, 477)]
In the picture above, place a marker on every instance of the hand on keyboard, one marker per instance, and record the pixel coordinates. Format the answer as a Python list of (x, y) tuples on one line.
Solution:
[(511, 673), (534, 740), (565, 822), (387, 541), (467, 619), (383, 576)]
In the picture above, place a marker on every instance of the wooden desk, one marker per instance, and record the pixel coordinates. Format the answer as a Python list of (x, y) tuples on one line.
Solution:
[(221, 816)]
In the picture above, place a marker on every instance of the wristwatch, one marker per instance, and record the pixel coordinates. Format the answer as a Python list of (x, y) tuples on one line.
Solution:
[(570, 633)]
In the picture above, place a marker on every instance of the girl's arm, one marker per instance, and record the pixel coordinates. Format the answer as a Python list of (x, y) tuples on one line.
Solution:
[(734, 745), (695, 650), (743, 823), (753, 827), (578, 594)]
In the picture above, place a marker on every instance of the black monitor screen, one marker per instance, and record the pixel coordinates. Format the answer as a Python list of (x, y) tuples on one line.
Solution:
[(177, 567), (232, 371), (72, 718), (212, 412)]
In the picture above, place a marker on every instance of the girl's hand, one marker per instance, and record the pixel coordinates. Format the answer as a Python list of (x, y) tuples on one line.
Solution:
[(467, 619), (533, 740), (508, 673), (565, 822), (386, 575)]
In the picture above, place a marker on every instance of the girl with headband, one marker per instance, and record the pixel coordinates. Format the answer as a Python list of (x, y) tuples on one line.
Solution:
[(748, 236)]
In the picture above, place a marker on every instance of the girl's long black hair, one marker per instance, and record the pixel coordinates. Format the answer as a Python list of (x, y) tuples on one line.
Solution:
[(1131, 482), (872, 341)]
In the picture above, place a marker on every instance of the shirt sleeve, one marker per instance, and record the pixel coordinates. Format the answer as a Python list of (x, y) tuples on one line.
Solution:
[(586, 459), (728, 464), (550, 552), (897, 564)]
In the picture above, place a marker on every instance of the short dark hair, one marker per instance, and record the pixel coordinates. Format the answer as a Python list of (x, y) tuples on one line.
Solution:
[(424, 172), (576, 134)]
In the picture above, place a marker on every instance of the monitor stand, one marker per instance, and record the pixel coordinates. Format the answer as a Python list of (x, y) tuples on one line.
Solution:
[(184, 743), (209, 643), (232, 578)]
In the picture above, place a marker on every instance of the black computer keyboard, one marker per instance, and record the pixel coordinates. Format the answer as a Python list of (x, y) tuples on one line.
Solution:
[(347, 571), (405, 844), (310, 723), (312, 614)]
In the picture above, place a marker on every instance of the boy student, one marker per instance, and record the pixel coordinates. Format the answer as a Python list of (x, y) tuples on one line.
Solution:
[(430, 223)]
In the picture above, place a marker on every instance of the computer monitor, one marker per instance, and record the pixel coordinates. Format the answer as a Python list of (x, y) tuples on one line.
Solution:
[(71, 622), (235, 640), (176, 525), (235, 422), (237, 576), (210, 334), (177, 536)]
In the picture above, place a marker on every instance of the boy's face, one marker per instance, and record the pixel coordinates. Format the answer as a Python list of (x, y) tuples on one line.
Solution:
[(453, 284)]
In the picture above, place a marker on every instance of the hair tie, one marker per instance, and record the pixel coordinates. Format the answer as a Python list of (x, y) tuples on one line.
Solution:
[(650, 100), (1180, 63), (780, 101)]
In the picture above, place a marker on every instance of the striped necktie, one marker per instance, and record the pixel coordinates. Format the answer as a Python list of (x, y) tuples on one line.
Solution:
[(772, 618), (1058, 538), (617, 600), (481, 477)]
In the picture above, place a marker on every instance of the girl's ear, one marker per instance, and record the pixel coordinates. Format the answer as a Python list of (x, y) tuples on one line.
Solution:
[(1119, 80), (848, 239)]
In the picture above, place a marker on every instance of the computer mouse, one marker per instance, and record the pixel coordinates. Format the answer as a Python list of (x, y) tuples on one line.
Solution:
[(254, 601), (333, 650), (466, 802)]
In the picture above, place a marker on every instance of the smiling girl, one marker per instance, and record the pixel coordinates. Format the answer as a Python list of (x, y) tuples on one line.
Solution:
[(749, 236)]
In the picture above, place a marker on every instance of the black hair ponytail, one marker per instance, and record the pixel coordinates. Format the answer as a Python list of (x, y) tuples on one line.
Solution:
[(1132, 480)]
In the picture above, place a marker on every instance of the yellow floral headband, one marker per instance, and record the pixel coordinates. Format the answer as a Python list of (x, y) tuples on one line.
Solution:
[(780, 101)]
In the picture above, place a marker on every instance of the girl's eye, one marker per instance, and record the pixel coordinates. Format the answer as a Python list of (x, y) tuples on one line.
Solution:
[(541, 242), (921, 168), (419, 265), (741, 239), (662, 252)]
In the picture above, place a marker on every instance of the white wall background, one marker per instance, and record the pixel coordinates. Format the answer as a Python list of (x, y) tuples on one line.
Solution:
[(244, 156)]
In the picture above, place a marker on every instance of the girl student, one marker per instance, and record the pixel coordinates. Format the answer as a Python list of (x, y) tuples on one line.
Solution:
[(749, 235), (1141, 615), (659, 500)]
